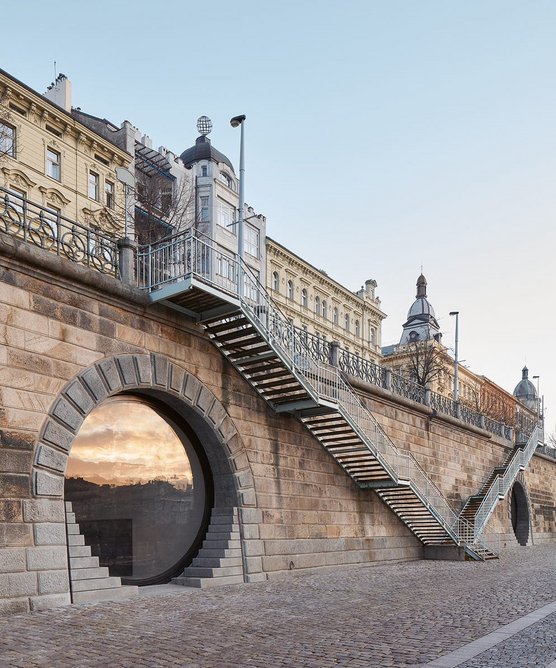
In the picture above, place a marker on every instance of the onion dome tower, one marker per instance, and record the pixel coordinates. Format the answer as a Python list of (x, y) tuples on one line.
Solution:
[(421, 324), (525, 392)]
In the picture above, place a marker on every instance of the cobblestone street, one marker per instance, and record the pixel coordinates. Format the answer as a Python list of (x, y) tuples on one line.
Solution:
[(403, 614)]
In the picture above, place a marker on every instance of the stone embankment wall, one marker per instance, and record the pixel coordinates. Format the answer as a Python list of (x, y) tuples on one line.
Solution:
[(70, 337)]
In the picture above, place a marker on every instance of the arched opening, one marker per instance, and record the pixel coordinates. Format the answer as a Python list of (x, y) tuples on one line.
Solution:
[(141, 488), (520, 513)]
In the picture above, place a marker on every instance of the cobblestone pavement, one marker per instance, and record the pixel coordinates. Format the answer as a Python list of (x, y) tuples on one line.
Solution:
[(404, 614), (534, 646)]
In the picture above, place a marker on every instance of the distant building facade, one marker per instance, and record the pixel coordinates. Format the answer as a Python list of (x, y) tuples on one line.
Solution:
[(321, 306)]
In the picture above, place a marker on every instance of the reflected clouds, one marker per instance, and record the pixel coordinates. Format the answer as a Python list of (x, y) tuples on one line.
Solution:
[(127, 442)]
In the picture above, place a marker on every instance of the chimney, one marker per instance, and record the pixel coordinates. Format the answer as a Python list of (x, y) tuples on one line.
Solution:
[(59, 92)]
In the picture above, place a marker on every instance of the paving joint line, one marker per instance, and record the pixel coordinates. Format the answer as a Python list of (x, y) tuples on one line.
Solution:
[(476, 647)]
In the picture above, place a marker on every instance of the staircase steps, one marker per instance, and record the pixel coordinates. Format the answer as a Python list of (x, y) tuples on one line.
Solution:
[(415, 514), (242, 343), (219, 561), (90, 582)]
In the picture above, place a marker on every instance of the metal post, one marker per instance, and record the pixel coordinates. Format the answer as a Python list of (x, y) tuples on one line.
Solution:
[(234, 122), (456, 398)]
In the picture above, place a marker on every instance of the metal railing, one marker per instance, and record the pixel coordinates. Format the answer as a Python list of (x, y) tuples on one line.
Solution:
[(502, 483), (320, 349), (356, 366), (408, 388), (442, 404), (189, 255), (47, 229)]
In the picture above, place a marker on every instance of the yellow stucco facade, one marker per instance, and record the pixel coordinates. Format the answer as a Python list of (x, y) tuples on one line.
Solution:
[(321, 306), (56, 162)]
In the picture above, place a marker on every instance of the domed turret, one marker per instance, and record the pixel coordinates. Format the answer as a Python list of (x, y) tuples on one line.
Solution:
[(421, 323), (203, 149), (525, 391)]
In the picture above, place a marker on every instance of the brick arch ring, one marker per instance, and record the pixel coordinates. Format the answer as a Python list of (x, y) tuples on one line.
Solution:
[(150, 375)]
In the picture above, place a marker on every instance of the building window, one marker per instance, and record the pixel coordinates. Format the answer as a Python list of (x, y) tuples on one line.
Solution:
[(317, 305), (204, 170), (93, 185), (52, 217), (304, 298), (372, 335), (226, 216), (204, 209), (251, 244), (276, 281), (166, 199), (324, 309), (335, 316), (290, 289), (7, 140), (357, 329), (109, 194), (53, 164), (346, 322), (226, 179)]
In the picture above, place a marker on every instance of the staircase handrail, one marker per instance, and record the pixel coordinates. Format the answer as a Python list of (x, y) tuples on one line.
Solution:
[(502, 483), (329, 384), (187, 254)]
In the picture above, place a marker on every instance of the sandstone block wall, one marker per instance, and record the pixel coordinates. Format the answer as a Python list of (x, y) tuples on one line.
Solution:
[(61, 323)]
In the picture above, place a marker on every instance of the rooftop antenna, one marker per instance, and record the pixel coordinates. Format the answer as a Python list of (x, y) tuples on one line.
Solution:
[(55, 75)]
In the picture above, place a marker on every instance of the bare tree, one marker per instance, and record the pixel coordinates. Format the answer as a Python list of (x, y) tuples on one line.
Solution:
[(426, 362), (164, 207)]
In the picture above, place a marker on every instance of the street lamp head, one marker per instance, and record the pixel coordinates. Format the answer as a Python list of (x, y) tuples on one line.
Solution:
[(236, 121), (454, 312)]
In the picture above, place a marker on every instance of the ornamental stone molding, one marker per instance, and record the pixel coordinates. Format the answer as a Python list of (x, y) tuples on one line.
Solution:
[(18, 178), (149, 375)]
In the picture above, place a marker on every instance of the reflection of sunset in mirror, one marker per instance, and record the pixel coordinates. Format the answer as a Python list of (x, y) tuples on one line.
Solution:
[(127, 442)]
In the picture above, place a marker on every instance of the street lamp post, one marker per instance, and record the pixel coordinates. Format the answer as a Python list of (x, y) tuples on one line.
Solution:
[(234, 122), (456, 397), (538, 397)]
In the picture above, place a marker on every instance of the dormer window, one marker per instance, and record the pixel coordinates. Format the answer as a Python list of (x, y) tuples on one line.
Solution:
[(226, 179)]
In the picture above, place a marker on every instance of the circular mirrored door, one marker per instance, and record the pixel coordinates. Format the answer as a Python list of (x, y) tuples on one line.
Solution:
[(138, 490)]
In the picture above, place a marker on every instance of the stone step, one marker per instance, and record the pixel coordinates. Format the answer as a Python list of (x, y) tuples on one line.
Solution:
[(104, 594), (207, 583), (96, 583), (76, 539), (200, 572), (84, 562), (220, 544), (221, 521), (203, 561), (223, 512), (79, 551), (222, 535), (89, 573), (219, 553), (69, 508), (70, 518), (72, 529)]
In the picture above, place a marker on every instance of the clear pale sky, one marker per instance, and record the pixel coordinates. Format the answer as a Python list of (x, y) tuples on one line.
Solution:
[(380, 136)]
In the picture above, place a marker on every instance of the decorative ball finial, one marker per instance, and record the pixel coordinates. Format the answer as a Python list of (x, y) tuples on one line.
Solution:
[(204, 125)]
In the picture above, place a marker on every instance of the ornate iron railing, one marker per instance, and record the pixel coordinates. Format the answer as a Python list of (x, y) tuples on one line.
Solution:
[(408, 388), (442, 404), (319, 348), (470, 416), (47, 229), (356, 366)]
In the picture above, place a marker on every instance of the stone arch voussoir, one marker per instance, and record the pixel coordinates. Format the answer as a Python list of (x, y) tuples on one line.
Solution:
[(151, 374)]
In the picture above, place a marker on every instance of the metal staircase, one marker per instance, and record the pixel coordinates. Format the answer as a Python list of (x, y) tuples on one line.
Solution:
[(479, 507), (191, 273)]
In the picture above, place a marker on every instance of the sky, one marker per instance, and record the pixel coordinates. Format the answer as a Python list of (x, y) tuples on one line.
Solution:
[(381, 137)]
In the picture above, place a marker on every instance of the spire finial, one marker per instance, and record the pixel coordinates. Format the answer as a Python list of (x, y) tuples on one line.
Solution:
[(421, 286)]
